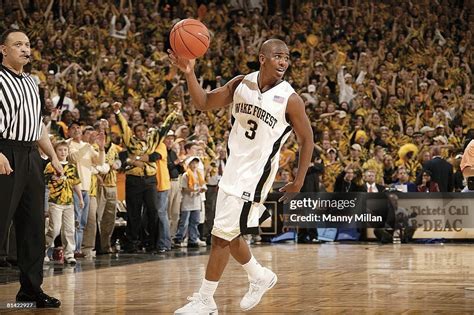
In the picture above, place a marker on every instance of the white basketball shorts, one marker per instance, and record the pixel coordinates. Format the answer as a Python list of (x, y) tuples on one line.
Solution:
[(236, 216)]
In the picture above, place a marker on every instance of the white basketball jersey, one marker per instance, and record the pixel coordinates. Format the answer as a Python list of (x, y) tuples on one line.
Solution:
[(259, 129)]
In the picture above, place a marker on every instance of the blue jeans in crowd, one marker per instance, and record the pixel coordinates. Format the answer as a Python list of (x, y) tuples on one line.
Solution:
[(191, 218), (80, 216), (164, 238)]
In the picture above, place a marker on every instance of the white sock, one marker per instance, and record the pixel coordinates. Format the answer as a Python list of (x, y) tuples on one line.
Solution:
[(254, 269), (208, 288)]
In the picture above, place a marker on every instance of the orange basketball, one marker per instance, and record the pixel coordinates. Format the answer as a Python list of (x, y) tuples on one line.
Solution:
[(189, 39)]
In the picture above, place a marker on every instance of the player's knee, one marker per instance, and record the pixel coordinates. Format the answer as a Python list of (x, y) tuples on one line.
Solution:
[(238, 242)]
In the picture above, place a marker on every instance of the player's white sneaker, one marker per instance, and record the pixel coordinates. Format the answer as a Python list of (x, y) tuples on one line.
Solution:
[(198, 306), (257, 289)]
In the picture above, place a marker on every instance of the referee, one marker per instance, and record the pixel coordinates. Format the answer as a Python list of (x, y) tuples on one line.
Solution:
[(21, 173)]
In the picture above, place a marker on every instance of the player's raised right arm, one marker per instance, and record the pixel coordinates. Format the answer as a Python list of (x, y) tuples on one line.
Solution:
[(203, 100)]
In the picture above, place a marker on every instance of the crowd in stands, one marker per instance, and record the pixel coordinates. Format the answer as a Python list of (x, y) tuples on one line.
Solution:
[(387, 88)]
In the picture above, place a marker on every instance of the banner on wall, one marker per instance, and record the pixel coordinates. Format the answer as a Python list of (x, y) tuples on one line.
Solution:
[(436, 215)]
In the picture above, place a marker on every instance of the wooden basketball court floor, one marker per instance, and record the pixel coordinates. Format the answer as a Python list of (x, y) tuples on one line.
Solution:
[(327, 279)]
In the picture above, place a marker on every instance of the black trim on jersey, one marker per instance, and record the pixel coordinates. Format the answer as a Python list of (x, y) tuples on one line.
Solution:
[(232, 121), (265, 215), (244, 215), (258, 87), (268, 166)]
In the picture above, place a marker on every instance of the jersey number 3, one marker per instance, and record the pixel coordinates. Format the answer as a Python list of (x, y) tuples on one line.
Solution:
[(252, 130)]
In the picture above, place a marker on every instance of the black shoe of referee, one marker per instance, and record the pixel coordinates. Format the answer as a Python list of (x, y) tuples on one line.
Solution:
[(42, 300)]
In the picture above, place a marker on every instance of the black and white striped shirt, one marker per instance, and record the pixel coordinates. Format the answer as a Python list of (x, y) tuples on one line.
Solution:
[(20, 107)]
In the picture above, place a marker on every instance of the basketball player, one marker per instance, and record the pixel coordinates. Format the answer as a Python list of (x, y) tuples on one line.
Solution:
[(265, 108)]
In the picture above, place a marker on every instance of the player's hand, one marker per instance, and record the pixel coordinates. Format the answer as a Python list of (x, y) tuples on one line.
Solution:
[(185, 65), (5, 168), (116, 106), (57, 167), (289, 191), (81, 203)]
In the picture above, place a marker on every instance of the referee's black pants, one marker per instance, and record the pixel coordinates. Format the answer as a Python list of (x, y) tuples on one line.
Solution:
[(140, 191), (22, 199)]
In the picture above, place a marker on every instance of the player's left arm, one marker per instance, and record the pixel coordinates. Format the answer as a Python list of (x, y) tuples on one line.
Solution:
[(304, 134)]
